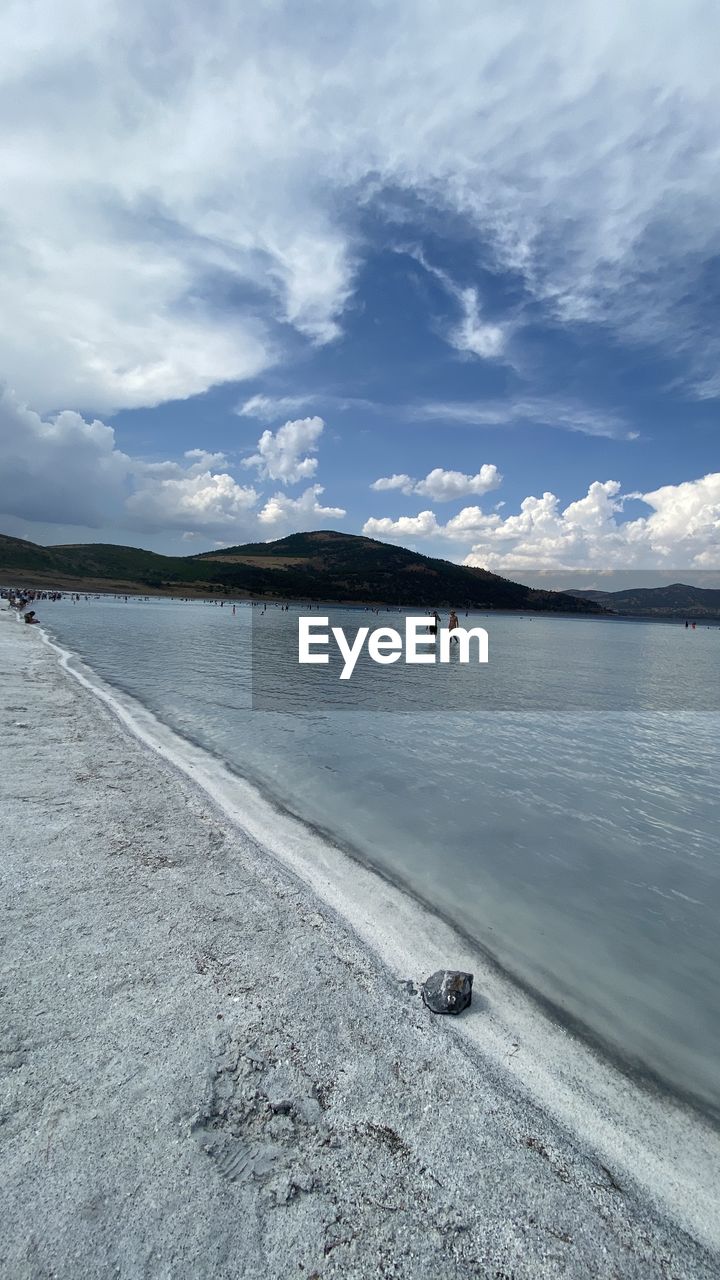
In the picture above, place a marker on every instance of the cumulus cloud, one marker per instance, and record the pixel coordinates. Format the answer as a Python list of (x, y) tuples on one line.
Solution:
[(282, 514), (175, 189), (442, 486), (423, 525), (199, 501), (285, 454), (201, 460), (680, 529), (61, 469), (68, 471), (398, 481)]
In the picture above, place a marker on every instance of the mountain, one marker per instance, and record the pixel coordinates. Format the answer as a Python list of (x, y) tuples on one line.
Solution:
[(91, 566), (330, 565), (676, 601), (322, 565)]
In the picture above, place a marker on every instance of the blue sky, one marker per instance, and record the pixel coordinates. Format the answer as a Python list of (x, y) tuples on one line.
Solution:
[(452, 282)]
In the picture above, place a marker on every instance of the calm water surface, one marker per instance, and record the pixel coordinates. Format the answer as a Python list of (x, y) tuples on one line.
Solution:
[(560, 805)]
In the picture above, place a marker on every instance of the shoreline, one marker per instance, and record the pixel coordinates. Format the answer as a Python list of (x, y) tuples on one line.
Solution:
[(345, 864), (372, 902), (538, 1073), (136, 591)]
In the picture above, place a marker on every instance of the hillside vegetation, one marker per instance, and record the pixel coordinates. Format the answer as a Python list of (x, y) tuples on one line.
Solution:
[(679, 600), (321, 565)]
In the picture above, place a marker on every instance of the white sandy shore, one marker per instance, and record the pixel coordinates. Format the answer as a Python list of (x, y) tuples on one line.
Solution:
[(207, 1072)]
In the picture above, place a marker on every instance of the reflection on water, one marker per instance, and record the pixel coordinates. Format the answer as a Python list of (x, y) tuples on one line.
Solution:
[(579, 847)]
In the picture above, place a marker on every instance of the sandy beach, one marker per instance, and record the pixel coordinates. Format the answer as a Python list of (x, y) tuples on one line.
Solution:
[(215, 1061)]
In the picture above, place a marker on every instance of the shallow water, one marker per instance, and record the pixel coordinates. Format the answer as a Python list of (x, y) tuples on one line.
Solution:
[(576, 840)]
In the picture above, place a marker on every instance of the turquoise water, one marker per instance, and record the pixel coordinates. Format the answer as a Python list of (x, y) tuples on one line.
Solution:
[(560, 806)]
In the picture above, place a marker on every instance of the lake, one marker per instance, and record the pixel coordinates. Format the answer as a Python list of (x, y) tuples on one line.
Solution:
[(560, 806)]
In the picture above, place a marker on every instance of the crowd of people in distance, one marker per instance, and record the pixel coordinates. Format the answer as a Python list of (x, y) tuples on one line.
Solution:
[(19, 600)]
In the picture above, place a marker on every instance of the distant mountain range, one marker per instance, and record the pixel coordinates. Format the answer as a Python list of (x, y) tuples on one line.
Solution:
[(676, 601), (322, 565)]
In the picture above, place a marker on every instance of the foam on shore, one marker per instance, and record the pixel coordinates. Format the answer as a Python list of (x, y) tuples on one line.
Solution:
[(668, 1152)]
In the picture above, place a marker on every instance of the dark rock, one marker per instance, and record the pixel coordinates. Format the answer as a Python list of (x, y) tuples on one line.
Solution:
[(447, 991)]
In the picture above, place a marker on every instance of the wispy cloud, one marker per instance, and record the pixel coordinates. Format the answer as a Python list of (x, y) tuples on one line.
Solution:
[(508, 411), (156, 165), (537, 411), (471, 334), (269, 408)]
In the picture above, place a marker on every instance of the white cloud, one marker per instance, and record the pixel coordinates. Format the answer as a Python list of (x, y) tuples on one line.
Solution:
[(685, 521), (64, 470), (267, 408), (423, 525), (282, 514), (401, 481), (314, 273), (174, 185), (201, 460), (548, 411), (680, 530), (443, 486), (199, 501), (270, 408), (473, 335), (284, 454), (111, 325), (511, 410), (59, 470)]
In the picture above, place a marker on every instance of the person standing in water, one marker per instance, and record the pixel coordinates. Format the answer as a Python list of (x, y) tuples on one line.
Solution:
[(453, 624)]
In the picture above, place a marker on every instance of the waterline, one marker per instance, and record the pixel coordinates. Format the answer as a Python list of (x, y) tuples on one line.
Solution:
[(631, 1131)]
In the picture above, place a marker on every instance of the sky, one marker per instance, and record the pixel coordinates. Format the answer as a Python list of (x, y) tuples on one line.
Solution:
[(448, 275)]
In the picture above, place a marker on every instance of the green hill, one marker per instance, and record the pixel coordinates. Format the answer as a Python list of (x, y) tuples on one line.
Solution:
[(679, 600), (322, 565), (87, 565)]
